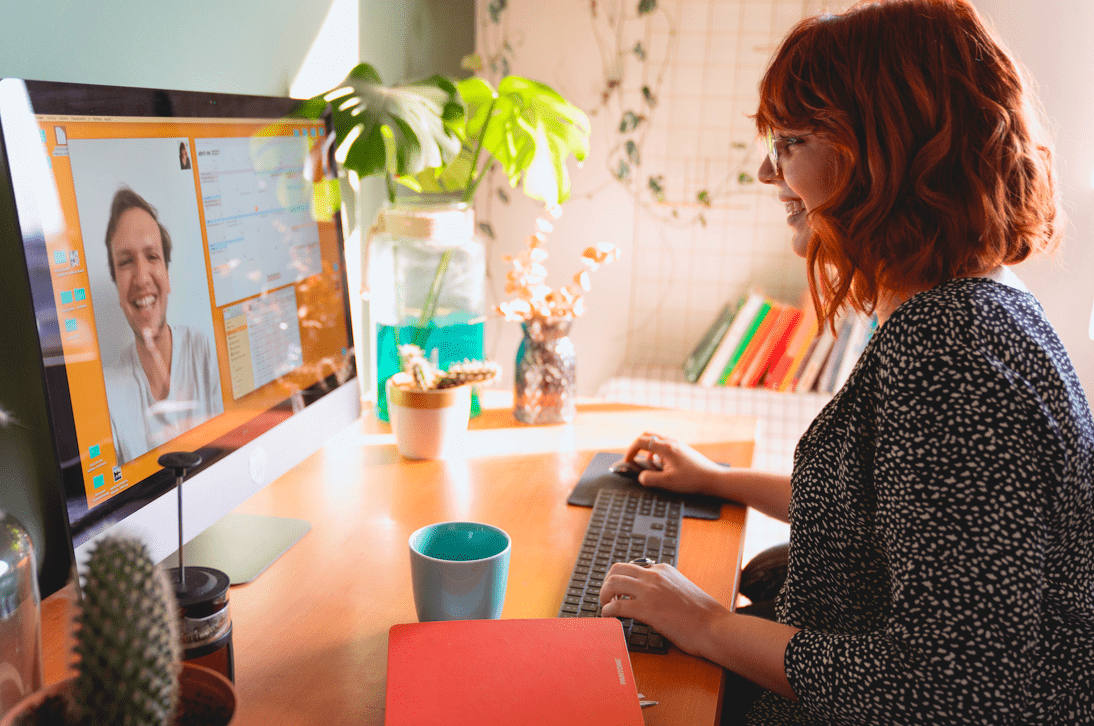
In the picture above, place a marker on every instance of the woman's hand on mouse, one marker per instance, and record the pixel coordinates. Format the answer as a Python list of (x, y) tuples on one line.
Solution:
[(664, 599), (676, 466)]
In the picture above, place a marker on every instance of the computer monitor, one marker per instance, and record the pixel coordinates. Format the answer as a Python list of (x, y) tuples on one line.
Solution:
[(171, 282)]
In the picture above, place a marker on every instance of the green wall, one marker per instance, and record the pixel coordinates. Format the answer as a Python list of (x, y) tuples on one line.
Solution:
[(242, 46)]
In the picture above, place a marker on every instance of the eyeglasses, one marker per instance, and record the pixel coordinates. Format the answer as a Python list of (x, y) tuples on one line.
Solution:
[(771, 145)]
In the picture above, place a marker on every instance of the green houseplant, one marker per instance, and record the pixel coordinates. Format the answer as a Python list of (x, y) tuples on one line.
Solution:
[(129, 671), (430, 135), (439, 137)]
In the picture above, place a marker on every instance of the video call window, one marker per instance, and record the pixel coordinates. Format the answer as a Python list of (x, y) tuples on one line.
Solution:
[(189, 283)]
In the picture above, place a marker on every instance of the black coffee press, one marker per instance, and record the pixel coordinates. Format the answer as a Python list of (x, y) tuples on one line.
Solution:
[(202, 593)]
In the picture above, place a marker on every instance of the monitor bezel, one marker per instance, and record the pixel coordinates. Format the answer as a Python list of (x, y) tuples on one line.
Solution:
[(249, 443)]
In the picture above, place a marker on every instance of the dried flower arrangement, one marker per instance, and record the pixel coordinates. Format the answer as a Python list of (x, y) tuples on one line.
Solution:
[(533, 298), (420, 374)]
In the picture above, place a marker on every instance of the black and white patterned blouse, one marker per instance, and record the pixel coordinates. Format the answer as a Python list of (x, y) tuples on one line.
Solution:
[(942, 526)]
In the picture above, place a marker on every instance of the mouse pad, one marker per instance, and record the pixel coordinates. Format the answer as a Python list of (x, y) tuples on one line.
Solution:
[(596, 477)]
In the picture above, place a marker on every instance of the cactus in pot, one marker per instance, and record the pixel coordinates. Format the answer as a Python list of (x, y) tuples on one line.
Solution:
[(128, 640), (128, 645), (420, 374)]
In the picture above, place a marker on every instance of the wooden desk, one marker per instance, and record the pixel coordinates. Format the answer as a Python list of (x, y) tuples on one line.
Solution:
[(310, 633)]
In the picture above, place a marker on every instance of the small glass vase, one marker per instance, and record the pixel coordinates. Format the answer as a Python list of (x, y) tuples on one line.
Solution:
[(544, 374)]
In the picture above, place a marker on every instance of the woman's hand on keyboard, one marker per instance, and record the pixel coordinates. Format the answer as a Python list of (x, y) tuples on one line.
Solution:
[(664, 599), (677, 467)]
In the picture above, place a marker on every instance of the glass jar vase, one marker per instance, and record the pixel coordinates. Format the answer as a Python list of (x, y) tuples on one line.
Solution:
[(20, 615), (545, 373), (426, 285)]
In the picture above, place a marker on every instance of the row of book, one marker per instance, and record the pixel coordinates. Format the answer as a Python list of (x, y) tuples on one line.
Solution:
[(761, 342)]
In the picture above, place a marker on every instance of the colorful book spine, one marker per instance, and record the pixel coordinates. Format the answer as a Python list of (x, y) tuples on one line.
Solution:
[(697, 361), (861, 330), (826, 382), (774, 346), (782, 373), (751, 347), (815, 363), (742, 322), (792, 381)]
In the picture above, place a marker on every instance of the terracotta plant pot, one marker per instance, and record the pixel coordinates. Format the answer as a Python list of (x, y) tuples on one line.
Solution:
[(429, 424), (203, 693)]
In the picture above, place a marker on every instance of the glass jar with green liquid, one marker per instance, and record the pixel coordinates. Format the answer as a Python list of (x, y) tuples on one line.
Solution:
[(427, 281)]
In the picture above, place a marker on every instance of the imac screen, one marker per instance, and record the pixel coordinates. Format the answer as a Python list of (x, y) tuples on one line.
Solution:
[(196, 290)]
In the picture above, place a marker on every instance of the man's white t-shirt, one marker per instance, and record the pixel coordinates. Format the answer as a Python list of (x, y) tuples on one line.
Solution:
[(140, 423)]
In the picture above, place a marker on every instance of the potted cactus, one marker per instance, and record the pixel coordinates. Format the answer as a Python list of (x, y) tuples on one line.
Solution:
[(430, 406), (129, 671)]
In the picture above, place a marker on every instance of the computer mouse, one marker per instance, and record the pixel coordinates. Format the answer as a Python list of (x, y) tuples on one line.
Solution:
[(631, 469)]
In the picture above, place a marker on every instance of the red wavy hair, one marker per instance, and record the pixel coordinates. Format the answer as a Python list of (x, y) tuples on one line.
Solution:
[(943, 169)]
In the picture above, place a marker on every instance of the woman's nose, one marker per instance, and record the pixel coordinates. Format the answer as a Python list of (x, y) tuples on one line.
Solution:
[(767, 173)]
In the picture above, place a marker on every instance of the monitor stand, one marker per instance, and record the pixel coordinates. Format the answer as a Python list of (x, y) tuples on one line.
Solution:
[(241, 546)]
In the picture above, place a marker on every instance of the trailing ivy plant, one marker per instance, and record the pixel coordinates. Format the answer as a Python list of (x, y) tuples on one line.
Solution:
[(638, 111)]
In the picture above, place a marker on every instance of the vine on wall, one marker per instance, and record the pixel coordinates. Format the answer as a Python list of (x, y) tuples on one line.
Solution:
[(637, 40), (626, 31)]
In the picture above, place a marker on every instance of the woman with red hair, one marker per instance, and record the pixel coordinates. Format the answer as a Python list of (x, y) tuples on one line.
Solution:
[(941, 507)]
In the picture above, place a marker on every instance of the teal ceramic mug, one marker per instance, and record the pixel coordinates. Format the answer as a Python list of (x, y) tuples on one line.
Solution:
[(459, 570)]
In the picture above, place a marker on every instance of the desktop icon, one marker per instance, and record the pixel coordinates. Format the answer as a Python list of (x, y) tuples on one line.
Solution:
[(74, 258), (66, 297), (60, 257), (117, 471), (70, 325), (98, 481), (94, 451), (79, 294)]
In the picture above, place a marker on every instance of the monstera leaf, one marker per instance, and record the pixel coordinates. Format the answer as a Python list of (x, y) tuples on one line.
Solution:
[(524, 126), (529, 129), (396, 130)]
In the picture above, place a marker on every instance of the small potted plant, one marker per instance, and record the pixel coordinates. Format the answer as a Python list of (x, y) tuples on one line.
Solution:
[(430, 407), (127, 640)]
